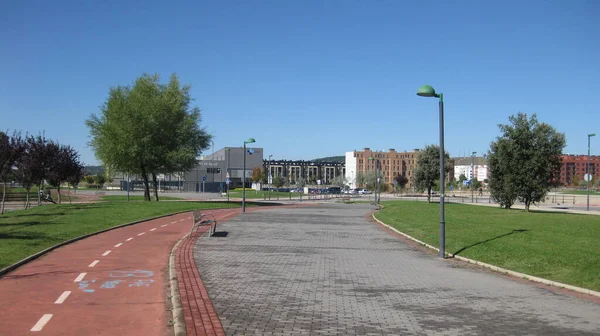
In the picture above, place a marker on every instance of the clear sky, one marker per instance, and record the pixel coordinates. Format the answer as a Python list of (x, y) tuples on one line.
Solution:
[(306, 78)]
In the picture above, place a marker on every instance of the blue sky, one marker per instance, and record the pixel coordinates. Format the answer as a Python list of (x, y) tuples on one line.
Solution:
[(310, 78)]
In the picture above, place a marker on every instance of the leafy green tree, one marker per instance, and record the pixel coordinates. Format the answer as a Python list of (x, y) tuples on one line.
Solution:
[(278, 181), (259, 175), (89, 179), (360, 179), (575, 180), (147, 129), (427, 171), (486, 181), (462, 178), (99, 179), (524, 161)]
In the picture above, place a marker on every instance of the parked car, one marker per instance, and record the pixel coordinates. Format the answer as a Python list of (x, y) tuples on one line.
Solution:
[(364, 192)]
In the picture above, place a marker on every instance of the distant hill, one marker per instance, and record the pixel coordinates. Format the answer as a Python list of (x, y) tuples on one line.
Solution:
[(94, 170), (340, 158)]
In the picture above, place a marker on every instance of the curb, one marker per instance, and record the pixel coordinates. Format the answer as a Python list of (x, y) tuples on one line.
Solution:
[(178, 318), (22, 262), (496, 268)]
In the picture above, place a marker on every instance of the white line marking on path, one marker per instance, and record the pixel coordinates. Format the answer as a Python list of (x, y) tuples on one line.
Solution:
[(42, 322), (189, 217), (119, 244), (62, 297), (80, 277), (152, 229), (128, 239), (139, 234), (94, 263), (181, 220), (174, 222), (106, 253), (163, 225)]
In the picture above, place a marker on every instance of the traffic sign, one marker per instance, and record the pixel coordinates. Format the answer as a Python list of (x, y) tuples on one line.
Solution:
[(203, 178), (587, 177), (228, 180), (227, 175)]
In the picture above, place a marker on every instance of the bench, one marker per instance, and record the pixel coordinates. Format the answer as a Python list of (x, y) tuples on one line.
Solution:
[(201, 219)]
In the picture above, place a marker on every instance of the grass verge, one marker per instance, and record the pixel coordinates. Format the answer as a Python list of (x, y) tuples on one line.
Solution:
[(555, 246), (26, 232)]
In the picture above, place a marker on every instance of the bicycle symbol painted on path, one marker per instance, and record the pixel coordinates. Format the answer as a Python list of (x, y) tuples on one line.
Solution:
[(131, 278)]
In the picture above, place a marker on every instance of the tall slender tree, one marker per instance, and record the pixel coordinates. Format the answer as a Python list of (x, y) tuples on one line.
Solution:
[(11, 149), (427, 171)]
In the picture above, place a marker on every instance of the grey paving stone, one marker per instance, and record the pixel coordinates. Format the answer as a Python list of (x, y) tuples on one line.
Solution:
[(327, 271)]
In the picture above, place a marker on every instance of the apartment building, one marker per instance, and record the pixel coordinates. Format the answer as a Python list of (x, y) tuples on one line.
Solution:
[(391, 163), (476, 167), (573, 168)]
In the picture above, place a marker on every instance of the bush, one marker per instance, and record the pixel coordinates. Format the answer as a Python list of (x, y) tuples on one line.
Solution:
[(241, 189)]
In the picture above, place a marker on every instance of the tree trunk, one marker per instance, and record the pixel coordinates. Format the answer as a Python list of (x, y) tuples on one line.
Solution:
[(58, 191), (27, 198), (155, 183), (527, 204), (428, 195), (146, 184), (3, 199), (40, 190)]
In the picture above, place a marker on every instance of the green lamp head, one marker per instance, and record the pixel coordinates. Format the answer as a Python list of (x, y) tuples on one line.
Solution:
[(250, 140), (591, 135), (427, 91)]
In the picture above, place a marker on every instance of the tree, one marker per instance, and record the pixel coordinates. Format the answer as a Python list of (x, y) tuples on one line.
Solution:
[(258, 175), (89, 179), (575, 180), (427, 171), (64, 166), (360, 179), (147, 129), (11, 149), (32, 165), (524, 161), (99, 180), (462, 178), (300, 183), (76, 173), (278, 182), (340, 181), (486, 181), (401, 182)]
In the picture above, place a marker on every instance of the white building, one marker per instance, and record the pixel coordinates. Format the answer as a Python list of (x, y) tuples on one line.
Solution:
[(350, 167), (464, 165)]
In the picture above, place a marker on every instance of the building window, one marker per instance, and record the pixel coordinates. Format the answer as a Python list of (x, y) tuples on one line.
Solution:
[(213, 170)]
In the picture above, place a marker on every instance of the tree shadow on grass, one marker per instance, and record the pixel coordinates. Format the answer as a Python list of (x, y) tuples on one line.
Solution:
[(23, 235), (46, 214), (489, 240), (23, 224)]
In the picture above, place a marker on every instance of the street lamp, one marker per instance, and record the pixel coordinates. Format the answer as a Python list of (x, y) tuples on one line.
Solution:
[(269, 178), (428, 91), (228, 150), (250, 140), (472, 175), (589, 177)]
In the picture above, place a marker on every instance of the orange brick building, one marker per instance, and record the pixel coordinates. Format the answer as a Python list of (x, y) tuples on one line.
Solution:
[(392, 163), (573, 167)]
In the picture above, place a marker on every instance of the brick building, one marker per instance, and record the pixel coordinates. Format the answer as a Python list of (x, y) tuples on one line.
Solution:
[(391, 163), (573, 167)]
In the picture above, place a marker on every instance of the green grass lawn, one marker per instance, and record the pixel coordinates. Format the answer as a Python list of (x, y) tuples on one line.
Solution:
[(25, 232), (555, 246), (135, 198)]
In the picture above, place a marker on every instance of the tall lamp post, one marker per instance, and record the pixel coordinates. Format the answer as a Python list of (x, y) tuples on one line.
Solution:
[(375, 159), (587, 170), (472, 175), (428, 91), (228, 150), (250, 140), (269, 178)]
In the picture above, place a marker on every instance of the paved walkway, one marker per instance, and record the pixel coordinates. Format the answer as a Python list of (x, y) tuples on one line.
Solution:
[(109, 284), (327, 270)]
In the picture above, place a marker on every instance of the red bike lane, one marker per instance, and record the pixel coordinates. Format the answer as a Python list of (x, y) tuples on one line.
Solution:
[(113, 283)]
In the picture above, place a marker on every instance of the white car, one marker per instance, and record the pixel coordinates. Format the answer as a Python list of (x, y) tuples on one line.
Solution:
[(364, 192)]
